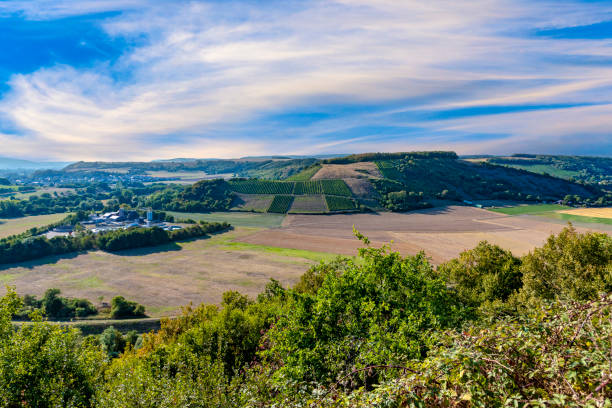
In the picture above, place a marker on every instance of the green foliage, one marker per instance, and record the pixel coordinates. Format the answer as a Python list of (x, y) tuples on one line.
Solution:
[(483, 276), (586, 169), (280, 204), (379, 331), (112, 341), (122, 308), (569, 266), (205, 195), (337, 203), (378, 312), (365, 157), (555, 356), (17, 249), (44, 365), (313, 278), (54, 306)]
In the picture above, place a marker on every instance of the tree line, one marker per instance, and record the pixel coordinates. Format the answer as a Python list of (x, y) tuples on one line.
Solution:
[(18, 249)]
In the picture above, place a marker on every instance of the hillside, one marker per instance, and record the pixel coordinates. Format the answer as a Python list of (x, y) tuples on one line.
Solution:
[(268, 168), (409, 181), (593, 170)]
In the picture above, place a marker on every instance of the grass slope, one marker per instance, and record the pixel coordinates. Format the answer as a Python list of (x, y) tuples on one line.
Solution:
[(14, 226)]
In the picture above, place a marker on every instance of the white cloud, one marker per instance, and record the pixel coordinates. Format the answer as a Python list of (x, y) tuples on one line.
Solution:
[(210, 69)]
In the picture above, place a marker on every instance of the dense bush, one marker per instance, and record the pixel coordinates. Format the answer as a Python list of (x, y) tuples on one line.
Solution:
[(484, 275), (122, 308), (205, 195), (55, 306), (45, 365)]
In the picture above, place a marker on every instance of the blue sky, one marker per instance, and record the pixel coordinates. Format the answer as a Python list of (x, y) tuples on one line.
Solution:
[(141, 80)]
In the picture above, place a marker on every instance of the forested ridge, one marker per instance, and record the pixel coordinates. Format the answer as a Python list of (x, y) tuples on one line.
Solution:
[(486, 329)]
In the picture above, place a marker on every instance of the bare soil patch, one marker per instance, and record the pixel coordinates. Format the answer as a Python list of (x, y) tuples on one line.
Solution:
[(308, 204), (252, 202), (441, 232), (344, 171)]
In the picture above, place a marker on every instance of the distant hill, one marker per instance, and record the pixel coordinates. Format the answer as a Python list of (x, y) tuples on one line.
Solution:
[(412, 179), (596, 170), (7, 163)]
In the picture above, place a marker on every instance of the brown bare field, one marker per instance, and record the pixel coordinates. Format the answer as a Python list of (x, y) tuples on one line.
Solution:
[(590, 212), (344, 171), (308, 204), (441, 232), (166, 277)]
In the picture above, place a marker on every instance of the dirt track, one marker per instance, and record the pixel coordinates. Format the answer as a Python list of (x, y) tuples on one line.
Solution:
[(441, 232)]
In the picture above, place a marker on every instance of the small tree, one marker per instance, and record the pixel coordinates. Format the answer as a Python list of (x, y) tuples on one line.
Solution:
[(122, 308)]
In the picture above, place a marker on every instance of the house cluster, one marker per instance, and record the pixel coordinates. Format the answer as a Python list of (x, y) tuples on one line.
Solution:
[(123, 219)]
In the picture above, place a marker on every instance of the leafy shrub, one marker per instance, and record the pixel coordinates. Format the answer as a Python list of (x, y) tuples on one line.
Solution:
[(483, 275), (122, 308), (45, 365), (569, 266), (378, 312)]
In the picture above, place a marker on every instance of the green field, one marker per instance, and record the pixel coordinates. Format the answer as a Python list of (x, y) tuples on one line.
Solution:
[(543, 168), (280, 204), (288, 252), (529, 209), (305, 174), (550, 211), (237, 219), (576, 218), (13, 226)]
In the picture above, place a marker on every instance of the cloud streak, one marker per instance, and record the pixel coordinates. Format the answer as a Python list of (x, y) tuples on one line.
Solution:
[(213, 78)]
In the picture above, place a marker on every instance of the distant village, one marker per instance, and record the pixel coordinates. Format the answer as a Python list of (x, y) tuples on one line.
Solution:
[(110, 221)]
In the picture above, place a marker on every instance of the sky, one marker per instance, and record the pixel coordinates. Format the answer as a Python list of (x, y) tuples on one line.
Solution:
[(143, 80)]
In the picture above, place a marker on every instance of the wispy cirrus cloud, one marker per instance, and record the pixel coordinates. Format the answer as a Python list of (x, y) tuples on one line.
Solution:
[(240, 78)]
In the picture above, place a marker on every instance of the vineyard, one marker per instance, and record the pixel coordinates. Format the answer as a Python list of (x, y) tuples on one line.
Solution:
[(294, 196), (280, 204), (336, 203), (261, 187), (332, 187), (308, 187), (335, 187)]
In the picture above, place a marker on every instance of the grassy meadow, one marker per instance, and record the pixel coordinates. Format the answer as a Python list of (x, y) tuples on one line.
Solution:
[(13, 226), (559, 212)]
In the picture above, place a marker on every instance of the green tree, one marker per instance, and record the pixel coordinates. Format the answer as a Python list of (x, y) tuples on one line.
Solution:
[(44, 365), (569, 266), (122, 308), (483, 275), (378, 311)]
